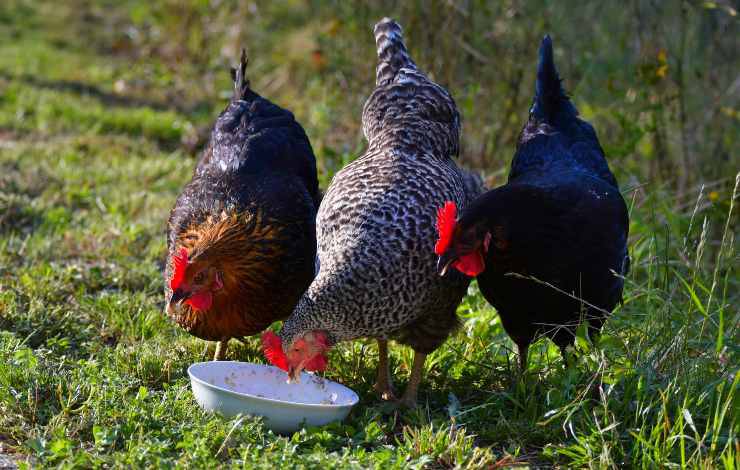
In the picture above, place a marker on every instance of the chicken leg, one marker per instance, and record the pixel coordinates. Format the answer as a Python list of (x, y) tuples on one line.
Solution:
[(417, 370), (383, 383), (523, 350), (221, 350)]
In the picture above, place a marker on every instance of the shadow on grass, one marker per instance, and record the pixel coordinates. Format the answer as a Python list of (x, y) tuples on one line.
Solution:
[(108, 98), (191, 142)]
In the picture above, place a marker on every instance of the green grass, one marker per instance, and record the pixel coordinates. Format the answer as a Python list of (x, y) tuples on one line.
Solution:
[(92, 373)]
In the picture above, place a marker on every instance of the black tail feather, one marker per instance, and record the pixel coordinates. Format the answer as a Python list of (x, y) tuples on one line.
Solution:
[(550, 98), (241, 82)]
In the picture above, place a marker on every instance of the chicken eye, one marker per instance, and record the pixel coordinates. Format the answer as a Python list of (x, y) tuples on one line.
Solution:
[(199, 278)]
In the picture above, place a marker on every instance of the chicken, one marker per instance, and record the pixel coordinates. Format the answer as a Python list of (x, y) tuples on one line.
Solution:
[(549, 248), (376, 229), (242, 235)]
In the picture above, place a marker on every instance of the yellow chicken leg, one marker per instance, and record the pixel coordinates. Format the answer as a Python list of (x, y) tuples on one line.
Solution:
[(383, 383), (221, 350), (412, 389)]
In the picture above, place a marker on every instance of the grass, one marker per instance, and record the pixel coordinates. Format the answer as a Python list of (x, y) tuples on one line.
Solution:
[(92, 373)]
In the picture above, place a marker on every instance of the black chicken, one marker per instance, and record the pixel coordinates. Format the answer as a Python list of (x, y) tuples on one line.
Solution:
[(550, 247), (242, 236)]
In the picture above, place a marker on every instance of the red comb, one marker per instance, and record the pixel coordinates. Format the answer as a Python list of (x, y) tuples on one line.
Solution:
[(272, 347), (179, 262), (446, 219)]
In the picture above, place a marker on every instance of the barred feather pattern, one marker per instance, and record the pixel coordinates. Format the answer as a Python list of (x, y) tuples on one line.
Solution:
[(407, 111), (376, 226)]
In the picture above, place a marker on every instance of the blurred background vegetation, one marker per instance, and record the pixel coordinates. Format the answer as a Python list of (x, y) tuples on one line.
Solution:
[(660, 80)]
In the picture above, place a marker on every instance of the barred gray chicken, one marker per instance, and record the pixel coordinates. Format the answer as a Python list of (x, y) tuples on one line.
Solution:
[(376, 229)]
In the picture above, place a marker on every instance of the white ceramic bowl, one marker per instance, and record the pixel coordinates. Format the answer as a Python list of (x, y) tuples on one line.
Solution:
[(259, 390)]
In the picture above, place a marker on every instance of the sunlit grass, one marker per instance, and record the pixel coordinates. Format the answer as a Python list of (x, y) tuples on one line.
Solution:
[(94, 372)]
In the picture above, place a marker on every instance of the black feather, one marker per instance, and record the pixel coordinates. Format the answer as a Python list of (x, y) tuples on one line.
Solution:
[(550, 99), (558, 229), (259, 165), (242, 90)]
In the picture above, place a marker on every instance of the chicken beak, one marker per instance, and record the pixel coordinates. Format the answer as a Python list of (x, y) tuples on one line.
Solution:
[(178, 297), (444, 262), (294, 373)]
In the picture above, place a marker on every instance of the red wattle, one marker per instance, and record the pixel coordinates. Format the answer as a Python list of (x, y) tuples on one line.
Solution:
[(317, 363), (471, 264), (200, 301)]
